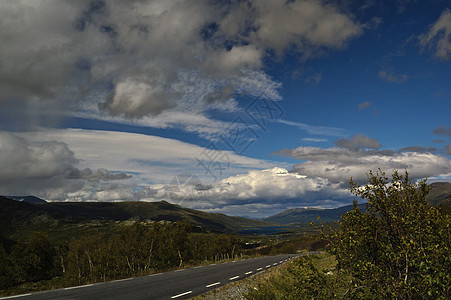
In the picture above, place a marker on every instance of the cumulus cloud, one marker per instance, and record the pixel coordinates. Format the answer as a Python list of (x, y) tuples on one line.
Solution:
[(340, 164), (259, 191), (43, 168), (438, 36), (132, 59)]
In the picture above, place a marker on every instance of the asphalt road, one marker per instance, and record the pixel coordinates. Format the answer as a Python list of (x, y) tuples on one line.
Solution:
[(179, 284)]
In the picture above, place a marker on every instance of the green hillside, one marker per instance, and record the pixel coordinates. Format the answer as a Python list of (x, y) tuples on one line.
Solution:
[(59, 218)]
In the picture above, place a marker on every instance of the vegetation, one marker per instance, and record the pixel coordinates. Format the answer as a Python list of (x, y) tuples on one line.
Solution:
[(306, 277), (36, 263), (398, 248)]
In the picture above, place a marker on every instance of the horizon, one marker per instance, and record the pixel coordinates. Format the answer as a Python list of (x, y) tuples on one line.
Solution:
[(242, 108)]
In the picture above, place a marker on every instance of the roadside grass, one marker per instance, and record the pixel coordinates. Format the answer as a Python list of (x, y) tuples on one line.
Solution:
[(306, 277)]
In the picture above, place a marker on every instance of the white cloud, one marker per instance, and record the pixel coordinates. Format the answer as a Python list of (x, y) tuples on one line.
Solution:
[(317, 130), (258, 192), (316, 140), (136, 59), (43, 168), (340, 164), (438, 36), (151, 160)]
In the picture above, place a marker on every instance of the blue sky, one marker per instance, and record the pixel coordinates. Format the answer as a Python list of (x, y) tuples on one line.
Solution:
[(241, 107)]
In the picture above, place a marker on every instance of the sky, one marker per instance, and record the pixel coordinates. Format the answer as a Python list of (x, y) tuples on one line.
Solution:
[(240, 107)]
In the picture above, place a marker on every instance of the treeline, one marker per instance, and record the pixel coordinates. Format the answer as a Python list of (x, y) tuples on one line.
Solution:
[(135, 250)]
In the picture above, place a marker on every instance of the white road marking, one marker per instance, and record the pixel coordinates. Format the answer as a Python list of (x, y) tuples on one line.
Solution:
[(234, 277), (268, 266), (280, 261), (16, 296), (179, 270), (250, 272), (259, 269), (274, 264), (182, 294), (213, 284), (155, 274), (234, 261), (77, 287), (198, 267), (213, 265), (122, 279)]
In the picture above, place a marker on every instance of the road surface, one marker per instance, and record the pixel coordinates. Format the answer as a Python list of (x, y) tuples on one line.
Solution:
[(179, 284)]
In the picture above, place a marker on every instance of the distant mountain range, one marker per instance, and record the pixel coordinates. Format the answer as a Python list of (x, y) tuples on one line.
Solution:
[(306, 215), (30, 212), (439, 195), (29, 199)]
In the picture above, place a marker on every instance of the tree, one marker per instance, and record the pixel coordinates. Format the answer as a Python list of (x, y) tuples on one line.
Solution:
[(399, 247), (33, 259)]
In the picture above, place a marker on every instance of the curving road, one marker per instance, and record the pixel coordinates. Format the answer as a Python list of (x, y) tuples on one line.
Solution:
[(179, 284)]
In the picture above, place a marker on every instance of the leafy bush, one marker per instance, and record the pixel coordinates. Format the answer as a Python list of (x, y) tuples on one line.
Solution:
[(399, 247)]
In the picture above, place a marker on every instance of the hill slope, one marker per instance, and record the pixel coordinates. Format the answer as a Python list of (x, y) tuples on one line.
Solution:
[(16, 214)]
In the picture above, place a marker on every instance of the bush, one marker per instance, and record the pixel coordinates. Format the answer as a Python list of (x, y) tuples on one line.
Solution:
[(399, 247)]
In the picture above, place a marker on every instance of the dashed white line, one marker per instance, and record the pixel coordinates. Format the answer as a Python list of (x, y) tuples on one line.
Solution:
[(179, 270), (77, 287), (213, 284), (268, 266), (250, 272), (232, 278), (274, 264), (16, 296), (259, 269), (213, 265), (197, 267), (182, 294), (155, 274), (280, 261)]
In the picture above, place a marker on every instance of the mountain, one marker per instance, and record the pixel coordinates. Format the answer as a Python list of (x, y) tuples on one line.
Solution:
[(439, 195), (29, 199), (306, 215), (15, 215)]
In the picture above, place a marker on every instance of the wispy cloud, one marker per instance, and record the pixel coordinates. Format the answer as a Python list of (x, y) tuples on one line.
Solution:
[(389, 76), (317, 130), (316, 140), (438, 36), (364, 105)]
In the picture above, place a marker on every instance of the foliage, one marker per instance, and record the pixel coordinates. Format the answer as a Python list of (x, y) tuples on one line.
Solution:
[(135, 250), (399, 247), (306, 277)]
